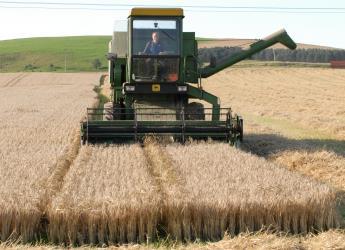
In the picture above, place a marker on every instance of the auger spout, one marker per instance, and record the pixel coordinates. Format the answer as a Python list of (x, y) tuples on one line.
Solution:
[(280, 36)]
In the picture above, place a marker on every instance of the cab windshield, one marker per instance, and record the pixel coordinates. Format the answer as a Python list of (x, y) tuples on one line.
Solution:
[(155, 37), (155, 50)]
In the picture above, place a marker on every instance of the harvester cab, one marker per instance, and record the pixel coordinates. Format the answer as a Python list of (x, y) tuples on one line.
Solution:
[(155, 77)]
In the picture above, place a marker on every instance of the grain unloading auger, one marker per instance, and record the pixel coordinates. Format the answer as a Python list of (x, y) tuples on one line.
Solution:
[(154, 73)]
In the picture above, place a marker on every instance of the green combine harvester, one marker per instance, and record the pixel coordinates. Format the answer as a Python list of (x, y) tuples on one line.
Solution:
[(155, 77)]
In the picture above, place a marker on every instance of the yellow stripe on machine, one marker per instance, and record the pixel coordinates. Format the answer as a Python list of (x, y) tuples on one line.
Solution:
[(157, 12)]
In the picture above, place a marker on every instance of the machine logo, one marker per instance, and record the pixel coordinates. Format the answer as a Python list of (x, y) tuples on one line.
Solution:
[(156, 87)]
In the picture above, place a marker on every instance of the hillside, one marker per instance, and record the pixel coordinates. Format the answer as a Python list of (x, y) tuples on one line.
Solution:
[(48, 54)]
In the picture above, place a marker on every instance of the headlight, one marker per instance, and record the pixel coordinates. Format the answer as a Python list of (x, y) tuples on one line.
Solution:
[(182, 88), (130, 88)]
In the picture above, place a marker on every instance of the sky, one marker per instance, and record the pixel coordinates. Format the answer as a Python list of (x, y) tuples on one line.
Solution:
[(313, 28)]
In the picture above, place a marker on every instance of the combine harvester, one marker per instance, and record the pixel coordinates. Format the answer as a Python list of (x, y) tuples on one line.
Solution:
[(155, 76)]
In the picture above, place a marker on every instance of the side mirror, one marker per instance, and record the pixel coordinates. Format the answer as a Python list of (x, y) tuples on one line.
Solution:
[(111, 56)]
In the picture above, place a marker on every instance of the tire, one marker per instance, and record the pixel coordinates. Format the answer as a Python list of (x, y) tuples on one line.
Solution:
[(240, 128), (195, 111), (117, 112)]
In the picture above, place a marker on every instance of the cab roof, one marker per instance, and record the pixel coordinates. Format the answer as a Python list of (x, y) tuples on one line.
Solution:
[(156, 12)]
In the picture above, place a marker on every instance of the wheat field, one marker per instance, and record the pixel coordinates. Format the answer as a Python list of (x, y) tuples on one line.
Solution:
[(301, 97), (119, 194), (293, 121), (108, 196), (238, 192), (292, 116), (39, 122)]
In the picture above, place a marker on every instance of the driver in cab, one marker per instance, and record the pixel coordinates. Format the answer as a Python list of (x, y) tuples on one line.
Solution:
[(153, 47)]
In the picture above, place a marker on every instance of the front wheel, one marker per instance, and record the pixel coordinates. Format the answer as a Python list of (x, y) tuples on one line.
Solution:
[(240, 128), (195, 111)]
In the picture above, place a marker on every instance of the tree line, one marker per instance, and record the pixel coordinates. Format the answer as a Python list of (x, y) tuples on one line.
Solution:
[(298, 55)]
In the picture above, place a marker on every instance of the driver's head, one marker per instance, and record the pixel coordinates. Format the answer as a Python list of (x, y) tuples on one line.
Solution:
[(155, 37)]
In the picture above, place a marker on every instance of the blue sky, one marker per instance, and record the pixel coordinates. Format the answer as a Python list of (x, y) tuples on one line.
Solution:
[(315, 28)]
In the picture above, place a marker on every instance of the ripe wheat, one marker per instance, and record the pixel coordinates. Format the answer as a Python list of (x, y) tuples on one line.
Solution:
[(286, 98), (229, 190), (108, 196), (199, 191), (39, 118)]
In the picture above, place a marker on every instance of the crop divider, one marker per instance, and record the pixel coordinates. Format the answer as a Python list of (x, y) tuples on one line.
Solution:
[(183, 127), (87, 127), (135, 125)]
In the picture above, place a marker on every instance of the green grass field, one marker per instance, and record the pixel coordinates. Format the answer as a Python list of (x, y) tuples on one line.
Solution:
[(48, 54)]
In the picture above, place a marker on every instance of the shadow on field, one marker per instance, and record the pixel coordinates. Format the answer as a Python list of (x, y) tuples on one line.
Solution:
[(266, 145)]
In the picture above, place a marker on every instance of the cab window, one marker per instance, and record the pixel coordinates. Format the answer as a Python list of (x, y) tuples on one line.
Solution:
[(155, 50), (155, 37)]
